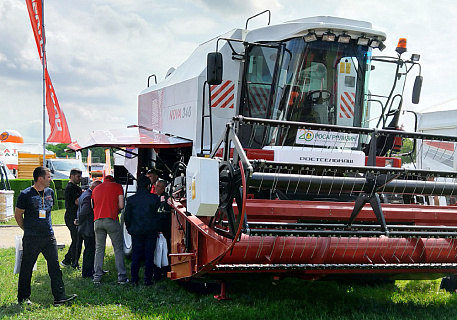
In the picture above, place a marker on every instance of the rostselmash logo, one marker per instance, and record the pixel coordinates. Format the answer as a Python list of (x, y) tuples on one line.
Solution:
[(326, 160)]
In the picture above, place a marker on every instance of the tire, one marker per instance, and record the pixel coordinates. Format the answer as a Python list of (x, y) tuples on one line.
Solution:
[(126, 238)]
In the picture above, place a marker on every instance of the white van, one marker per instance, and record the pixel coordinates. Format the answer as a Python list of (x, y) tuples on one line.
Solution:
[(60, 169)]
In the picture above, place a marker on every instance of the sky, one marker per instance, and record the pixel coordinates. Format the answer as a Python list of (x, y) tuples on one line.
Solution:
[(100, 53)]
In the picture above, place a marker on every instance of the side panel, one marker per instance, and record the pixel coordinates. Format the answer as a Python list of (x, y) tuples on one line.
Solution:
[(172, 109)]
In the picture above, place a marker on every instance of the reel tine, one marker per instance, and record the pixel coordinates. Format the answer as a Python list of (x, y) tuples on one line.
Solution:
[(304, 246), (336, 246), (452, 246)]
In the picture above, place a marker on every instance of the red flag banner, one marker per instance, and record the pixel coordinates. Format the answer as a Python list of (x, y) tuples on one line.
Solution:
[(59, 129), (35, 13)]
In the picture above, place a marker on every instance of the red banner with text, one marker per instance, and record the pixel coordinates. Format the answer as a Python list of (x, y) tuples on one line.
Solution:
[(59, 129), (35, 13)]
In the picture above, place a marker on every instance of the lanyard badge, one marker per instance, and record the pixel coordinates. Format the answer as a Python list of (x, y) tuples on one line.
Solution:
[(42, 211)]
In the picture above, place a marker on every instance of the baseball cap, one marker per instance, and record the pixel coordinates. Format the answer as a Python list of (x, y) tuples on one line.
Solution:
[(153, 170)]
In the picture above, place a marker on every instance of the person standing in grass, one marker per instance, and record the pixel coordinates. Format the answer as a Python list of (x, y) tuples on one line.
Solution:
[(107, 201), (141, 220), (85, 216), (33, 215), (72, 193)]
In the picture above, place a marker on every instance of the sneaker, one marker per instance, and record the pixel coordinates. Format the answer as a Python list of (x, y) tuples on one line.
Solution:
[(77, 267), (65, 264), (64, 299), (26, 302), (96, 281), (123, 282)]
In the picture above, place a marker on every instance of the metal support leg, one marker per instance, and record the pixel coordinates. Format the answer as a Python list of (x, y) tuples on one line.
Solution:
[(375, 204), (222, 295)]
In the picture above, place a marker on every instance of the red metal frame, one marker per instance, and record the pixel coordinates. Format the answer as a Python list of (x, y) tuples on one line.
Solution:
[(314, 257)]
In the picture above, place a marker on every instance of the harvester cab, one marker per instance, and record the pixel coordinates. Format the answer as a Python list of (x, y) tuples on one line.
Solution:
[(320, 77)]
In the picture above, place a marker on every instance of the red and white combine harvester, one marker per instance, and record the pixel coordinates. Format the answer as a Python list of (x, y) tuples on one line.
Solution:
[(283, 159)]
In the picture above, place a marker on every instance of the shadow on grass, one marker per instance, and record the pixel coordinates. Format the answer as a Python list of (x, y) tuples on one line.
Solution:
[(253, 297)]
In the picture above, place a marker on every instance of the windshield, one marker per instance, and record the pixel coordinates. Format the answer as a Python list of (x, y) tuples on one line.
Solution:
[(67, 165), (317, 82), (387, 84)]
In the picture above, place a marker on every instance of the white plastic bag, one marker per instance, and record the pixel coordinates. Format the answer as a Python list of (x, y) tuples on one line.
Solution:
[(161, 252), (19, 250), (17, 264)]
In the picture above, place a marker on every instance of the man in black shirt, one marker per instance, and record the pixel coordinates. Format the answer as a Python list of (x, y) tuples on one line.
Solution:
[(72, 194), (33, 215)]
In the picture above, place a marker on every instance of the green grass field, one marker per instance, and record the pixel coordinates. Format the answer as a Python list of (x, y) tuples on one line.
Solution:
[(57, 218), (251, 298)]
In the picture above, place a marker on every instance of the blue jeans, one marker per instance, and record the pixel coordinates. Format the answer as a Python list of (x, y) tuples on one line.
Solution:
[(143, 246), (102, 227), (32, 247)]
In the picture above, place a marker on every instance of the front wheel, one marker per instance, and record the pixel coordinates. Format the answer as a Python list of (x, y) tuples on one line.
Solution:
[(126, 238)]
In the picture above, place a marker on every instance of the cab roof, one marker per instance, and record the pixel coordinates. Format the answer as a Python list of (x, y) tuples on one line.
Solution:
[(320, 25)]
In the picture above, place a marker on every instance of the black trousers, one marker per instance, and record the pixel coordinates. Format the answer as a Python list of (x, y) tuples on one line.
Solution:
[(32, 247), (88, 256), (74, 251), (143, 246)]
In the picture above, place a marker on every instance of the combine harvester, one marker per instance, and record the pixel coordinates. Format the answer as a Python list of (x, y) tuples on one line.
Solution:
[(305, 179)]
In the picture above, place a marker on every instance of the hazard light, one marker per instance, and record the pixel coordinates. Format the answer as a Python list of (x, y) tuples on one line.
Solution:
[(401, 46)]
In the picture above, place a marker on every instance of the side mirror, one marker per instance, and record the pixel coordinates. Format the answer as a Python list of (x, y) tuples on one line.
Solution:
[(214, 68), (417, 89)]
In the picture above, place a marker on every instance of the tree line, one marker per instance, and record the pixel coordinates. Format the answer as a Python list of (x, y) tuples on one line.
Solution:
[(61, 151)]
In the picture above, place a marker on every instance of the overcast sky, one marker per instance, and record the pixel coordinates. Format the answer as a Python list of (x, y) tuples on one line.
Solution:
[(100, 53)]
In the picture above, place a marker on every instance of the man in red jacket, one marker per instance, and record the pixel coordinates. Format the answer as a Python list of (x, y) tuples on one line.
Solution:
[(107, 201)]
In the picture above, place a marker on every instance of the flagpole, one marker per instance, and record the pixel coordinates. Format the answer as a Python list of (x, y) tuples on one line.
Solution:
[(43, 55)]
